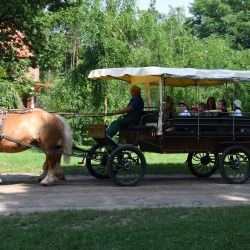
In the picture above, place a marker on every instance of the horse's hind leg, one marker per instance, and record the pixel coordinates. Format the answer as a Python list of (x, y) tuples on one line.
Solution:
[(53, 169), (50, 176), (45, 170), (58, 170)]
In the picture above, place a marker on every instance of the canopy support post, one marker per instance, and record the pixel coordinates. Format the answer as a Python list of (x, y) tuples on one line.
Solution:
[(233, 113), (198, 98), (159, 127)]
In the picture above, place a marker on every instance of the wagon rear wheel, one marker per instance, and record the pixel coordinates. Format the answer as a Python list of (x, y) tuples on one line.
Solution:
[(235, 164), (202, 164), (126, 165), (97, 164)]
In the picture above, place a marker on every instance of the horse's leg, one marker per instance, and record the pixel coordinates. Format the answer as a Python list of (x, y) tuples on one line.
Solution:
[(58, 170), (50, 177), (45, 170), (52, 169)]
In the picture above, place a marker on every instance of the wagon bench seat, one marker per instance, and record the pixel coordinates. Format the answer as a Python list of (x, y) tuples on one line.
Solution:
[(210, 126)]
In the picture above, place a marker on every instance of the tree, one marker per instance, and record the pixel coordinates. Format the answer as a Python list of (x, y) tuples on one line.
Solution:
[(29, 17), (225, 18)]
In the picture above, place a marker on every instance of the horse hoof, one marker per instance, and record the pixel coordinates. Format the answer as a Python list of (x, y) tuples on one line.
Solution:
[(45, 184), (61, 177)]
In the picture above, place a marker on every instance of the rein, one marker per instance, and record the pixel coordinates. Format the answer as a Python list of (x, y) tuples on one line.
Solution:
[(56, 150), (8, 138)]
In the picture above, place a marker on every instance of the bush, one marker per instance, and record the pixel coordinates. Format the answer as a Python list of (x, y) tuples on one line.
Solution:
[(9, 98)]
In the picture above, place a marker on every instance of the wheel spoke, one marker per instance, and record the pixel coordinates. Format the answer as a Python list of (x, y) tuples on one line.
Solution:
[(128, 163), (202, 164), (97, 164), (235, 165)]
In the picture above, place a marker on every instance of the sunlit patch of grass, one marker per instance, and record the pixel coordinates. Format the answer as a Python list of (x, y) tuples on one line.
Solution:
[(31, 161)]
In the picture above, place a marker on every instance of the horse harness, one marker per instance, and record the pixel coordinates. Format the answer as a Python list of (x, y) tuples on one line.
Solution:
[(4, 117), (2, 136), (5, 112)]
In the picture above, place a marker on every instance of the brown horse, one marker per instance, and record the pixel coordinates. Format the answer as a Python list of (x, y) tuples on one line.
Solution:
[(40, 129)]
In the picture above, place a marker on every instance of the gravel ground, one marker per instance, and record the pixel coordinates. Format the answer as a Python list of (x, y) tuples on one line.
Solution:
[(22, 193)]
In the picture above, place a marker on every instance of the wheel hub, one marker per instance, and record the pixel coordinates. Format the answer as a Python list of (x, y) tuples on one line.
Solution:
[(235, 164), (205, 160), (104, 160)]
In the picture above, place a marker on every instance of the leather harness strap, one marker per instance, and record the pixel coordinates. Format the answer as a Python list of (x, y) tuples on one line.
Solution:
[(4, 117)]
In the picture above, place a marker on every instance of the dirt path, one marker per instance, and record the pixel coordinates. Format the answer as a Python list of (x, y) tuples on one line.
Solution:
[(22, 193)]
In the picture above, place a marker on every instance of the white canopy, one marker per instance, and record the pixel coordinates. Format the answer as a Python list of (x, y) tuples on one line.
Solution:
[(179, 77)]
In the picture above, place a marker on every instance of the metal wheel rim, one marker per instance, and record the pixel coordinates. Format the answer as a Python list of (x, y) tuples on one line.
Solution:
[(127, 167), (203, 163), (236, 166), (98, 162)]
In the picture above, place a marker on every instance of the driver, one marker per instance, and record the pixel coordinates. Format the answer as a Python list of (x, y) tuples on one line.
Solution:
[(133, 112)]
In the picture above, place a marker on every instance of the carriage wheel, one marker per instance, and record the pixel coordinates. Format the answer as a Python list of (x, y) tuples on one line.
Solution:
[(126, 165), (235, 164), (202, 164), (97, 165)]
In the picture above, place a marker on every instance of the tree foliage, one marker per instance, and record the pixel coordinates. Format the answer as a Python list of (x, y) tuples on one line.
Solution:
[(70, 38), (226, 18)]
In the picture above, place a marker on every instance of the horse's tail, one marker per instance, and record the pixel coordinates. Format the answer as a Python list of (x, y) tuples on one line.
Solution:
[(67, 140)]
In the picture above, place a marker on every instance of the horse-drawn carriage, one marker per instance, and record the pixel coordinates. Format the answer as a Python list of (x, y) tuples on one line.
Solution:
[(211, 142)]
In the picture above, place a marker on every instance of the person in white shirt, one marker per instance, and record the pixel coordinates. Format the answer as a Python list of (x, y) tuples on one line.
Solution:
[(237, 108), (183, 109)]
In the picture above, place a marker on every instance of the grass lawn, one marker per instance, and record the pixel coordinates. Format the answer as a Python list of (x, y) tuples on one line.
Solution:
[(165, 228), (162, 228), (31, 161)]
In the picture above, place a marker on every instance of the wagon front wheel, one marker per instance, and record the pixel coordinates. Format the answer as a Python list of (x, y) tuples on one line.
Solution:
[(97, 162), (126, 165), (202, 164), (235, 164)]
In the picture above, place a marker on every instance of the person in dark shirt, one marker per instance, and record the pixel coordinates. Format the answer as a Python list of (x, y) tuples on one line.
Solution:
[(169, 108), (133, 112), (211, 103), (221, 110), (168, 115), (202, 107)]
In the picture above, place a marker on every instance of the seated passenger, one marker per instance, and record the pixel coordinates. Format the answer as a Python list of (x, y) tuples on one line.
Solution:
[(133, 112), (183, 109), (201, 109), (169, 108), (237, 108), (168, 115), (211, 104), (221, 110), (194, 110)]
